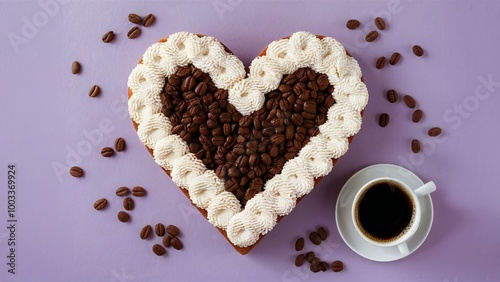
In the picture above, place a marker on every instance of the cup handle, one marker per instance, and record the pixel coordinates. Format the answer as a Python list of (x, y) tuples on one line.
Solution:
[(403, 249), (426, 189)]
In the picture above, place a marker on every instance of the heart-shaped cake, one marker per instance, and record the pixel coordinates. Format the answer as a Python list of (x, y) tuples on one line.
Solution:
[(245, 148)]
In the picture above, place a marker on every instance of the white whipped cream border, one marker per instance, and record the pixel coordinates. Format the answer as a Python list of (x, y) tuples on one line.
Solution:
[(284, 56)]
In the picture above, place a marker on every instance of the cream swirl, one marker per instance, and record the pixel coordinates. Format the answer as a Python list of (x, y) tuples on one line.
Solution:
[(204, 187), (168, 150), (221, 208), (153, 129), (185, 169)]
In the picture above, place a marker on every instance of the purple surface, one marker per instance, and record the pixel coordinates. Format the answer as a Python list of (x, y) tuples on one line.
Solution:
[(45, 111)]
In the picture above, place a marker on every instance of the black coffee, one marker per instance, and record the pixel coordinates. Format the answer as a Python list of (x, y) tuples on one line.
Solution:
[(384, 211)]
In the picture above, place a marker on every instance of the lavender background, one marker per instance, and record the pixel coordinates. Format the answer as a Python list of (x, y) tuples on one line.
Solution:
[(45, 112)]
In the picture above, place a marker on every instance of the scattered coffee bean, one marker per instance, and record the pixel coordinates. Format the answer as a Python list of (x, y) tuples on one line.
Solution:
[(322, 233), (76, 171), (134, 18), (417, 50), (383, 119), (100, 204), (415, 146), (134, 32), (310, 256), (299, 260), (409, 101), (159, 250), (145, 232), (435, 131), (120, 144), (173, 230), (122, 191), (138, 191), (394, 59), (417, 115), (352, 24), (380, 62), (75, 67), (107, 152), (176, 243), (380, 23), (108, 37), (324, 266), (392, 96), (123, 216), (299, 244), (371, 36), (314, 238), (128, 204), (94, 91), (167, 241), (160, 230), (337, 266), (149, 20), (314, 267)]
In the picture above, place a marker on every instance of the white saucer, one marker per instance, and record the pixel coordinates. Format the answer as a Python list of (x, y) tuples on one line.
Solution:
[(344, 207)]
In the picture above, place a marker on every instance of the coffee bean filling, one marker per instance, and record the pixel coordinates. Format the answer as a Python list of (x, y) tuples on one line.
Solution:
[(246, 151)]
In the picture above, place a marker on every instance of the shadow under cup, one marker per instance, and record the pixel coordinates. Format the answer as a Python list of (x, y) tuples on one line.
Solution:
[(384, 211)]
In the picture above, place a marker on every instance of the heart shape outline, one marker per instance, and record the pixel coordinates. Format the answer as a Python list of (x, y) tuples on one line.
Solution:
[(244, 228)]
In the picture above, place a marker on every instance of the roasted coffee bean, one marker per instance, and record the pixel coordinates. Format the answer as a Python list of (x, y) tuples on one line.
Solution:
[(392, 96), (310, 256), (337, 266), (160, 230), (415, 146), (299, 244), (108, 37), (409, 101), (380, 62), (314, 268), (76, 171), (94, 91), (418, 51), (417, 115), (352, 24), (435, 131), (299, 260), (233, 172), (314, 238), (383, 120), (75, 67), (145, 232), (167, 241), (134, 18), (134, 32), (100, 204), (107, 152), (176, 243), (128, 204), (173, 230), (315, 262), (159, 250), (122, 191), (120, 144), (277, 139), (123, 216), (395, 57), (188, 84), (322, 233), (138, 191), (324, 266), (380, 23), (371, 36), (310, 107), (149, 20)]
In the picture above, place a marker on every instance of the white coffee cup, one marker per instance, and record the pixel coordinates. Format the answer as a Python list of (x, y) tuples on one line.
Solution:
[(399, 240)]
